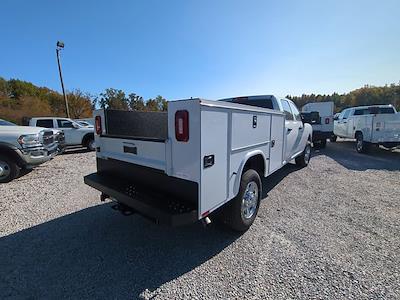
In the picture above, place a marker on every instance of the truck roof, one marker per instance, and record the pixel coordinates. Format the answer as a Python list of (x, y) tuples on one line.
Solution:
[(367, 106)]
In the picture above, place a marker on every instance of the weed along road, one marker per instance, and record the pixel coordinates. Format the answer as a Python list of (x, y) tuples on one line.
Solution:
[(330, 230)]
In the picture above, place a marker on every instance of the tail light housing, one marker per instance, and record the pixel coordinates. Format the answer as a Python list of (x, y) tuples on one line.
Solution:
[(327, 120), (182, 125), (97, 122)]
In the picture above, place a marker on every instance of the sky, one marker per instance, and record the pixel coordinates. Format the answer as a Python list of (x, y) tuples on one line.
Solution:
[(209, 49)]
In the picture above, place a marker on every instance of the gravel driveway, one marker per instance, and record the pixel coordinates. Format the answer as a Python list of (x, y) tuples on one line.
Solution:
[(328, 231)]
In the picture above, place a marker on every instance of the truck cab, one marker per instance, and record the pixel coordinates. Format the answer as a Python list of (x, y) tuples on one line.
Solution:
[(74, 133)]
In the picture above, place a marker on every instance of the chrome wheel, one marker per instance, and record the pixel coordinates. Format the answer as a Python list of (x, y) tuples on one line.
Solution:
[(249, 200), (5, 169)]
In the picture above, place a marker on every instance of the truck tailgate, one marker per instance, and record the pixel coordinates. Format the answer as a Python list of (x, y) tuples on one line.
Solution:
[(146, 153)]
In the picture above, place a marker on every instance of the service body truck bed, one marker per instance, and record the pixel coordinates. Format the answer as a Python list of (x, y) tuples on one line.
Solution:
[(375, 124), (180, 166), (320, 116)]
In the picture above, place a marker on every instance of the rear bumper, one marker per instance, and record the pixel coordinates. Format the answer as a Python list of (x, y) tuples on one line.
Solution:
[(158, 207)]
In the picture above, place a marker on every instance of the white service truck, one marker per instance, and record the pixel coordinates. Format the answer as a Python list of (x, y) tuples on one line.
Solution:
[(320, 116), (181, 166), (369, 125), (74, 133)]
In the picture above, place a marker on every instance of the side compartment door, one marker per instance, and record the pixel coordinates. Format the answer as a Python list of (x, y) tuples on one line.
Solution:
[(214, 159)]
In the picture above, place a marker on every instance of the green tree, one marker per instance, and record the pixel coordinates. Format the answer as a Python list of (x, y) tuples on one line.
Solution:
[(113, 99), (136, 102)]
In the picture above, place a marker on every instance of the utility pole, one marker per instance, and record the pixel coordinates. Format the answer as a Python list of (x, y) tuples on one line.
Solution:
[(60, 46)]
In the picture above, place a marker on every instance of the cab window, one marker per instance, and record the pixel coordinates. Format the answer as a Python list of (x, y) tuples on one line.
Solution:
[(346, 114), (64, 124), (287, 110), (46, 123), (295, 111)]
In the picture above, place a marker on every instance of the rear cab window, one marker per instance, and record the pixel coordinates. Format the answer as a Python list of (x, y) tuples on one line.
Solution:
[(263, 102), (64, 123), (47, 123)]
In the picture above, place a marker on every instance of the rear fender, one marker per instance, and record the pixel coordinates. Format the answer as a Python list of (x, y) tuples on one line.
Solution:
[(246, 158)]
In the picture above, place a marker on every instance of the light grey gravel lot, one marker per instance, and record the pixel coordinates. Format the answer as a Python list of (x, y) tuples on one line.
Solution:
[(329, 231)]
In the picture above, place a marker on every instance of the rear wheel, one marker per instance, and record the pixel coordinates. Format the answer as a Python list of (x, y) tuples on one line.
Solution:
[(242, 211), (8, 169), (90, 144), (361, 145), (304, 158)]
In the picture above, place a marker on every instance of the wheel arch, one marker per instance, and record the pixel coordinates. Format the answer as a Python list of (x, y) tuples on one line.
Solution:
[(86, 138), (10, 151), (255, 160)]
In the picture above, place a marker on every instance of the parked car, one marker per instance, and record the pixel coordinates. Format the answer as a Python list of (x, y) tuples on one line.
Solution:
[(320, 116), (23, 147), (369, 125), (199, 157), (74, 133)]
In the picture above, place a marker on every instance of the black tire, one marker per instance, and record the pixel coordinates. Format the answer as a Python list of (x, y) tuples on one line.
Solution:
[(234, 216), (333, 138), (8, 168), (303, 160), (322, 143), (90, 144), (361, 145)]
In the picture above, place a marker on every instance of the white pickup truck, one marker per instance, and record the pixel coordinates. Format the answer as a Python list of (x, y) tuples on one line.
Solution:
[(369, 125), (23, 147), (179, 167), (75, 134)]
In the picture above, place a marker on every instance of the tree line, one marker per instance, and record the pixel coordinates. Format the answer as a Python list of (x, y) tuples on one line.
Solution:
[(20, 99), (367, 95)]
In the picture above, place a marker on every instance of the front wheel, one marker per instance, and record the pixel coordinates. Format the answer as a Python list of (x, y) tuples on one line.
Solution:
[(333, 138), (361, 145), (242, 210), (8, 169), (304, 158)]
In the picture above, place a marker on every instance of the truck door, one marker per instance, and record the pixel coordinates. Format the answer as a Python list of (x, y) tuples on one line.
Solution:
[(291, 131), (299, 126), (66, 126), (341, 123)]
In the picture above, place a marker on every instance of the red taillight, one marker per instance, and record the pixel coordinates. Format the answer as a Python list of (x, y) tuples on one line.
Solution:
[(97, 122), (327, 120), (182, 125)]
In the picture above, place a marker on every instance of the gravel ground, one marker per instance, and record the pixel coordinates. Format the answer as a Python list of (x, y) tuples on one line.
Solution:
[(329, 231)]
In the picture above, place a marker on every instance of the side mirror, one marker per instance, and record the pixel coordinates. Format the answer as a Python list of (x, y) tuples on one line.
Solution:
[(335, 118), (75, 126)]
